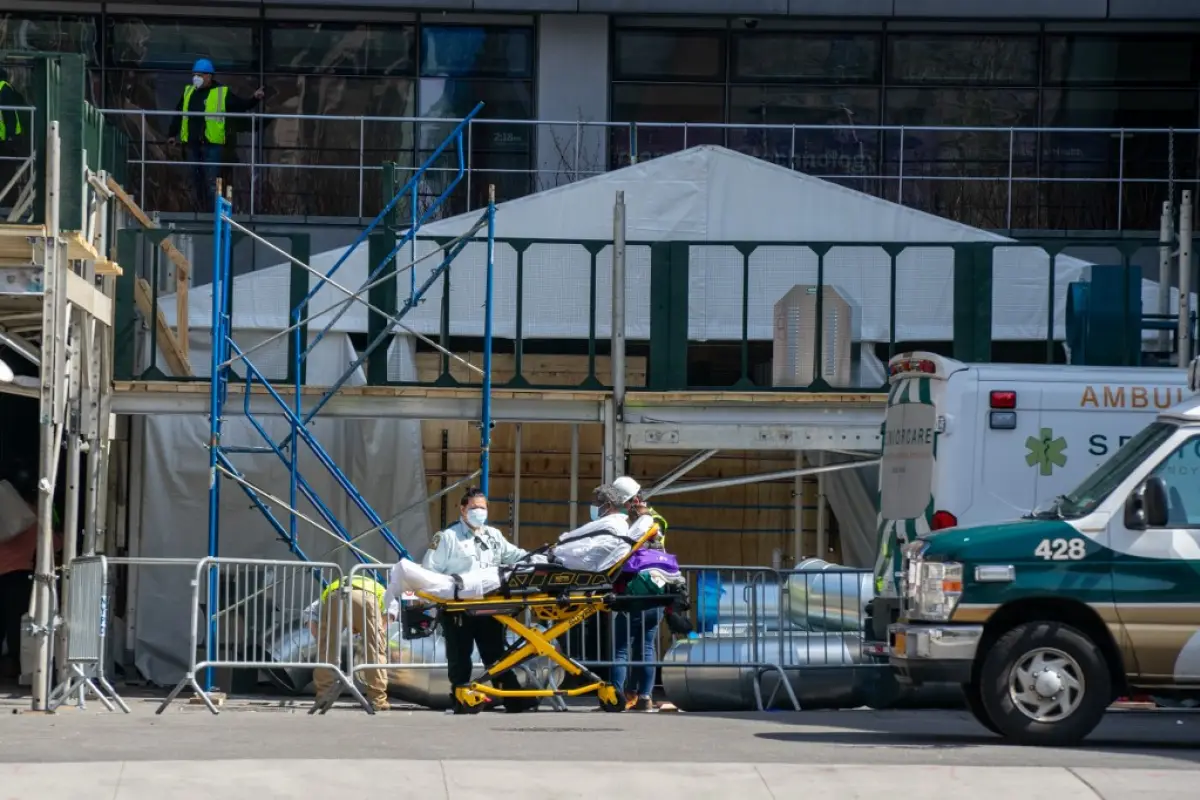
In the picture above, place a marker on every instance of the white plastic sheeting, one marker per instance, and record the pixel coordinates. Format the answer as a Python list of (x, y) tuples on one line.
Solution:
[(382, 458), (704, 194)]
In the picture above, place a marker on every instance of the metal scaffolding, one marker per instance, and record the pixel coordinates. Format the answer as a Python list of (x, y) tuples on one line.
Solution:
[(59, 318), (228, 356)]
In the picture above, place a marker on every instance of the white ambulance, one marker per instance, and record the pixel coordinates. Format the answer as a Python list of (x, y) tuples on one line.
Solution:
[(970, 444)]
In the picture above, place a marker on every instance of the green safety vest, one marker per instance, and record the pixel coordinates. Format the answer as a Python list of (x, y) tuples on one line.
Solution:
[(662, 526), (214, 106), (16, 119), (357, 582)]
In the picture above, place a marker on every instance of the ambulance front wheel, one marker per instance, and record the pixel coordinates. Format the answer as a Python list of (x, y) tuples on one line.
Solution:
[(1045, 684)]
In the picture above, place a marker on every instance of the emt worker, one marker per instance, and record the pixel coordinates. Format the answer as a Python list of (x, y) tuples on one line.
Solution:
[(204, 138), (471, 544)]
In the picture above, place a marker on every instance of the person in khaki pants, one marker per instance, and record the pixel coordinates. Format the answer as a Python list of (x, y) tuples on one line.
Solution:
[(366, 598)]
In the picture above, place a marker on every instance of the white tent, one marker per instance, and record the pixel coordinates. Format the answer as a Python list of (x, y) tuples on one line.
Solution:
[(701, 195)]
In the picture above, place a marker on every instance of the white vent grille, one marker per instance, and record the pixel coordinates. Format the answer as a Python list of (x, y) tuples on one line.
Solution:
[(796, 338)]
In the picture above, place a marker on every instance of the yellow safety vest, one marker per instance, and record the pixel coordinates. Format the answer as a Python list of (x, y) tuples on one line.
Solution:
[(357, 582), (16, 119), (662, 526), (214, 107)]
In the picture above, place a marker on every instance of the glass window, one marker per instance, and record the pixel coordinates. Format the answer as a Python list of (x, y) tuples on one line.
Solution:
[(828, 58), (1178, 471), (50, 32), (1118, 108), (133, 91), (840, 146), (962, 59), (177, 44), (650, 103), (679, 55), (460, 51), (315, 163), (1162, 60), (1088, 496), (299, 47)]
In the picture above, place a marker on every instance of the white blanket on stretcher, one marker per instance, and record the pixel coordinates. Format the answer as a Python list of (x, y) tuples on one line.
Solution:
[(596, 546)]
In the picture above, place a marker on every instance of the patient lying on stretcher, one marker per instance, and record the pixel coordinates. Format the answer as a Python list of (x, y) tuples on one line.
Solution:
[(595, 547)]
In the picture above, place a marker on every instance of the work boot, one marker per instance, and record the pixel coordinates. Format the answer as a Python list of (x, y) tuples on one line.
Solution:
[(381, 705), (644, 704)]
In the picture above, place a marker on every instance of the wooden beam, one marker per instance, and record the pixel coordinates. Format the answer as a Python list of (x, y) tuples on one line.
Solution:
[(176, 359), (183, 267), (87, 297)]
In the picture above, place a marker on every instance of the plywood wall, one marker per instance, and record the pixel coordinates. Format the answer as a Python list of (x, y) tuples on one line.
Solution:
[(741, 525)]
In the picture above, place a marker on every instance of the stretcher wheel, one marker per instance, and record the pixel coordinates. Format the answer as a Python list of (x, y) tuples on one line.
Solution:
[(610, 699), (469, 701)]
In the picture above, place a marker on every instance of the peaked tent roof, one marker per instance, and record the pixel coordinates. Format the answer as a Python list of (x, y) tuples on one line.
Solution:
[(703, 194)]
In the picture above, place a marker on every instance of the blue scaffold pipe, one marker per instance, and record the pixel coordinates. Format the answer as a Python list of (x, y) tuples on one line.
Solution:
[(485, 421), (292, 545), (293, 451), (412, 302), (409, 235), (322, 456), (217, 376), (413, 181), (301, 485)]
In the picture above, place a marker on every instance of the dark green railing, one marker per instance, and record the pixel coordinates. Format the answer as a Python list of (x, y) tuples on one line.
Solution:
[(668, 352)]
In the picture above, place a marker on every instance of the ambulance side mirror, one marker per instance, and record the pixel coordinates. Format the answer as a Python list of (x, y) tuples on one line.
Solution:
[(1155, 503), (1147, 506)]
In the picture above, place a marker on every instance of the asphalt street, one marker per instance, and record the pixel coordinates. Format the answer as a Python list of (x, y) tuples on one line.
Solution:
[(266, 730)]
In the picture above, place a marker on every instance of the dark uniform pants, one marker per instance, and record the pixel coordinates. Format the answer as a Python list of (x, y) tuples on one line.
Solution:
[(463, 633)]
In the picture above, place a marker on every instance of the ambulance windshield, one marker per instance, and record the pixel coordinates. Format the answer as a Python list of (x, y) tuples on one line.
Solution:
[(1100, 484)]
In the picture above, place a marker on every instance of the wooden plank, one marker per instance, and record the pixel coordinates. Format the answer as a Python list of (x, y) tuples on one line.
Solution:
[(183, 267), (167, 342), (87, 297)]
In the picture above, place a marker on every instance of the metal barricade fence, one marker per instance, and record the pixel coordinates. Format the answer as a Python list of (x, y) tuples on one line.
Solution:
[(86, 620), (248, 604)]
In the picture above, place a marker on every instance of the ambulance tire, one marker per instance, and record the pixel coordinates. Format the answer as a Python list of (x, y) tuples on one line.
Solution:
[(1023, 642), (974, 701)]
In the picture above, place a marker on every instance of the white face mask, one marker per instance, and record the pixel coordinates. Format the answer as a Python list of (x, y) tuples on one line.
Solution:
[(595, 513), (198, 81), (476, 517)]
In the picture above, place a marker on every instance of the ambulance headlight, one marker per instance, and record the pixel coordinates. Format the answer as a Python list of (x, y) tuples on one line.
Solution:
[(934, 590)]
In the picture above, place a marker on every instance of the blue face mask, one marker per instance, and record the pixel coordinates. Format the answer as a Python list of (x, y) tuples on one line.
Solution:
[(595, 513), (476, 517)]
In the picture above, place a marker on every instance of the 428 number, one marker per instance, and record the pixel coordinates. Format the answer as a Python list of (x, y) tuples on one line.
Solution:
[(1061, 549)]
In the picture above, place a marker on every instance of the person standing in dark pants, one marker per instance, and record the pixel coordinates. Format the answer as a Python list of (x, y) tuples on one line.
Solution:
[(204, 138), (471, 544)]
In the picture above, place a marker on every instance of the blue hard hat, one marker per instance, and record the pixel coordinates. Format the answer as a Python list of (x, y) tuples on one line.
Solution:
[(203, 67)]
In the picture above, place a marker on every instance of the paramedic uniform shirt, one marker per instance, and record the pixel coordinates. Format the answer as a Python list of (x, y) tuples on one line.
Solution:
[(459, 549)]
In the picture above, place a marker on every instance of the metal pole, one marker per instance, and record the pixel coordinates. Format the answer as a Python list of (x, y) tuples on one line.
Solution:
[(822, 508), (516, 502), (1185, 279), (798, 511), (721, 483), (216, 412), (70, 531), (485, 422), (53, 378), (1165, 234), (618, 337), (573, 513)]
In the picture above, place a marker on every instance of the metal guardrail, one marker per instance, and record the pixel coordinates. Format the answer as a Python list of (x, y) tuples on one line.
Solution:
[(757, 631), (1001, 178)]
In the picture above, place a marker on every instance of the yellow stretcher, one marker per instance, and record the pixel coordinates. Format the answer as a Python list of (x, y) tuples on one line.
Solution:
[(554, 594)]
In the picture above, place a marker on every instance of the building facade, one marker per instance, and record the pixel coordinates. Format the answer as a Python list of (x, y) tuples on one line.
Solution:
[(1045, 114)]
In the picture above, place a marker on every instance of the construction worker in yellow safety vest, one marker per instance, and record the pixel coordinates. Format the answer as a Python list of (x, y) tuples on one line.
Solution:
[(366, 600), (10, 117), (205, 135)]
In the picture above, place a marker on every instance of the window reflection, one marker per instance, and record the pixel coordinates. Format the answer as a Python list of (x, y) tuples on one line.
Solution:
[(828, 58), (649, 54), (963, 59), (51, 33), (503, 149), (842, 148), (980, 159), (1161, 60), (652, 103), (461, 51), (177, 44), (340, 48)]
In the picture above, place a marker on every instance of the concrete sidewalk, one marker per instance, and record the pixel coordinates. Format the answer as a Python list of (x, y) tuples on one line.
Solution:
[(607, 780)]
